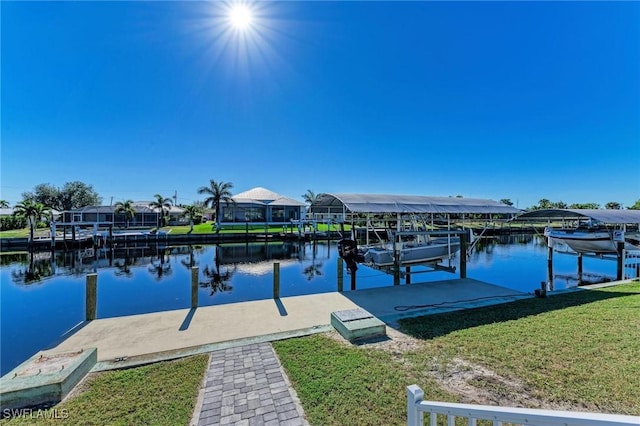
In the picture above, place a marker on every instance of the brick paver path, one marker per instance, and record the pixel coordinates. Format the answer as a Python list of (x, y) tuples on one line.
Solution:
[(246, 386)]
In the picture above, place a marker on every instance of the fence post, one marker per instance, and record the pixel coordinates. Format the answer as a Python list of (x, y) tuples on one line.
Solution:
[(91, 297), (276, 280), (194, 286), (340, 274), (414, 396)]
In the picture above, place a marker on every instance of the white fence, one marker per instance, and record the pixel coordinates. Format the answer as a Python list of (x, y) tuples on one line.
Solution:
[(416, 407)]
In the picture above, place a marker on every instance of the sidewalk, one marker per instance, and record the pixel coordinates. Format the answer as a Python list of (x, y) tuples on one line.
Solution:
[(247, 386)]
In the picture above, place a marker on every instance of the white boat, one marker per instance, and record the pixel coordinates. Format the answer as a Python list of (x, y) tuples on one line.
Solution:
[(587, 239), (418, 250)]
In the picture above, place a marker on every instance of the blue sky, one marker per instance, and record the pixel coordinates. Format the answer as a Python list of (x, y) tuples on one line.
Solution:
[(490, 100)]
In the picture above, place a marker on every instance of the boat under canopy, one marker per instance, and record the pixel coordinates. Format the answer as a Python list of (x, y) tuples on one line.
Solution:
[(589, 234), (608, 216), (403, 246)]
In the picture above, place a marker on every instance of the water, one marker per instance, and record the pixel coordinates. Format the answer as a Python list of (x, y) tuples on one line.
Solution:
[(43, 297)]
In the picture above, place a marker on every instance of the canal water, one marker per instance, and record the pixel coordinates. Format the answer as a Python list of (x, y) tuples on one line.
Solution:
[(43, 295)]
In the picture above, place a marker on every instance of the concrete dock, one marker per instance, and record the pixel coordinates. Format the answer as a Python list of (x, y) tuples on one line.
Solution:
[(137, 339)]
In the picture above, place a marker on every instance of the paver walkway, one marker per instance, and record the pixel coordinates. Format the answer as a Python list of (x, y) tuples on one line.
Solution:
[(247, 386)]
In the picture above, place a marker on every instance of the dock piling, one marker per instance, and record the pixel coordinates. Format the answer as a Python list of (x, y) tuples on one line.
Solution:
[(276, 280), (620, 262), (194, 286), (463, 255), (340, 274), (91, 297)]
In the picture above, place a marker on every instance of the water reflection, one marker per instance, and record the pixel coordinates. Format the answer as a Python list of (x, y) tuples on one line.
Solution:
[(215, 278), (36, 267)]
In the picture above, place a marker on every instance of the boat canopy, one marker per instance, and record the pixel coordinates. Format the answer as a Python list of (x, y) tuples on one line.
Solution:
[(601, 215), (407, 204)]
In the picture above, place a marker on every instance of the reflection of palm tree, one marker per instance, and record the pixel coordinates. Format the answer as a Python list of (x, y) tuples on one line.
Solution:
[(190, 261), (313, 270), (35, 271), (160, 268), (124, 266), (216, 280)]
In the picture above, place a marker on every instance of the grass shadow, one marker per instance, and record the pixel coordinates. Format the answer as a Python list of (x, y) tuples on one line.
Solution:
[(436, 325)]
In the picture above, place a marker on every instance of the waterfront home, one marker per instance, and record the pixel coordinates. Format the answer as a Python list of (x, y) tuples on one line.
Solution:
[(260, 205), (144, 217)]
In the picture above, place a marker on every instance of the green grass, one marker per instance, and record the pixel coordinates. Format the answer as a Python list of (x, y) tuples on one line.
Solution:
[(158, 394), (348, 385), (209, 228), (15, 233), (579, 348)]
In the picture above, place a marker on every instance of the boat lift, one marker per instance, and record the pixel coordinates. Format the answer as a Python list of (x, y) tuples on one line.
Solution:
[(619, 222)]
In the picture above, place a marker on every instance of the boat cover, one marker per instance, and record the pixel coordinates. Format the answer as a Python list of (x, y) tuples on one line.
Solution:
[(601, 215), (381, 203)]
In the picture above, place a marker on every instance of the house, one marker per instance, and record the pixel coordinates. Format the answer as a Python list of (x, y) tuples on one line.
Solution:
[(144, 217), (260, 205)]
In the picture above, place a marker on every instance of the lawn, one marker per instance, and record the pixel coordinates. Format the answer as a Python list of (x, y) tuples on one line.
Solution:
[(209, 228), (162, 394), (15, 233), (579, 349), (575, 351)]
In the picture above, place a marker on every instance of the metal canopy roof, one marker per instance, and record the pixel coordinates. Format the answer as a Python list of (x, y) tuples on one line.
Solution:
[(601, 215), (380, 203)]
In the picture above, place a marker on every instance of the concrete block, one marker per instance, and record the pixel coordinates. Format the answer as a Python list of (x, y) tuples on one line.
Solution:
[(45, 379), (356, 324)]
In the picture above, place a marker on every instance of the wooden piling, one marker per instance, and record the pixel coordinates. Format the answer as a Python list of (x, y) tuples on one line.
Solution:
[(620, 262), (550, 265), (276, 280), (194, 286), (579, 268), (463, 255), (340, 274), (407, 276), (353, 279), (91, 297)]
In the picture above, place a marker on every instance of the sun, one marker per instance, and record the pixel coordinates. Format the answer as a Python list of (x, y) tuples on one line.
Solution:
[(240, 17)]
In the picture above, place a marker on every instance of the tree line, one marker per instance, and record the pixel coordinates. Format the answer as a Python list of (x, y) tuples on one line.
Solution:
[(38, 203)]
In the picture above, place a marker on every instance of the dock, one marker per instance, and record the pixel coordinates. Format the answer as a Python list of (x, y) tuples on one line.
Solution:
[(139, 339)]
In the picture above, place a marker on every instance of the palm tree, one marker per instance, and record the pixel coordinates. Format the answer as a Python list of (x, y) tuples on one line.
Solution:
[(126, 208), (191, 211), (309, 197), (163, 205), (4, 204), (217, 192), (34, 212)]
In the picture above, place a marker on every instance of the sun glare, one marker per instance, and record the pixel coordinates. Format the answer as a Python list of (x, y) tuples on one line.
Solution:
[(240, 17)]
